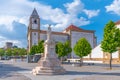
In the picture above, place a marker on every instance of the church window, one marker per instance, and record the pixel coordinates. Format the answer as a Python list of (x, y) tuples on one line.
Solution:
[(35, 21), (34, 43), (34, 33)]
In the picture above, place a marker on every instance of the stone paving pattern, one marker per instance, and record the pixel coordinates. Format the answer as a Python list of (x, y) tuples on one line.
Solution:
[(10, 70)]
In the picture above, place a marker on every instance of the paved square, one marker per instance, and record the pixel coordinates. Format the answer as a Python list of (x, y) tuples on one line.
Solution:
[(10, 70)]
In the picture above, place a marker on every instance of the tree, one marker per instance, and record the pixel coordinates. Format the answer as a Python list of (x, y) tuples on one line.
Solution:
[(117, 38), (15, 53), (8, 52), (40, 46), (33, 50), (82, 48), (67, 48), (63, 49), (109, 43), (2, 51), (37, 48), (22, 52), (60, 49)]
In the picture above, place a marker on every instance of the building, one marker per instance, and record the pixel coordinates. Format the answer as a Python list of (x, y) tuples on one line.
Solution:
[(72, 33), (98, 55), (8, 45)]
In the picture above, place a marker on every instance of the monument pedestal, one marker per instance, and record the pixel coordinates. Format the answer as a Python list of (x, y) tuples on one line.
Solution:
[(48, 67), (49, 64)]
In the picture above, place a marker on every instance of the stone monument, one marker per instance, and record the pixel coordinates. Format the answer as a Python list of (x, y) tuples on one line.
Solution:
[(49, 63)]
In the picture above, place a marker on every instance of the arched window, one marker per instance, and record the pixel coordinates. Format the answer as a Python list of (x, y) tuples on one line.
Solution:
[(35, 21)]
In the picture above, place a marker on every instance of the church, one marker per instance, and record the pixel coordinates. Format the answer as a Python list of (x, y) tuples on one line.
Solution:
[(71, 33)]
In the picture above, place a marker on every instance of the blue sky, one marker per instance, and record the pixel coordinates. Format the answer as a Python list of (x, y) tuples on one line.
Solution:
[(86, 14)]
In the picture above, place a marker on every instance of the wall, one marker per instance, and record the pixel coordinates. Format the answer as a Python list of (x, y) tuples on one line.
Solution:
[(75, 36), (34, 38), (55, 37)]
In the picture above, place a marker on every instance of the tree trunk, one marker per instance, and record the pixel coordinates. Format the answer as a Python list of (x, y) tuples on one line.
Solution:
[(15, 58), (81, 62), (0, 57), (21, 58), (119, 53), (110, 60), (61, 59)]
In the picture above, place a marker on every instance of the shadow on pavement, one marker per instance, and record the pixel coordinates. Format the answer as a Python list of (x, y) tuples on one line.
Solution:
[(91, 73), (7, 70)]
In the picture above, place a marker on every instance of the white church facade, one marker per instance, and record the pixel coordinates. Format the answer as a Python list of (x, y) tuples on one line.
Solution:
[(71, 33)]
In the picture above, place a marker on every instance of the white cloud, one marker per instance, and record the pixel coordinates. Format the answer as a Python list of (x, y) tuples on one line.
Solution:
[(114, 7), (7, 21), (15, 13), (61, 19), (91, 13), (75, 7)]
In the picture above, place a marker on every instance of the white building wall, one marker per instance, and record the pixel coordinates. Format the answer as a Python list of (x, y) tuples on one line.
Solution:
[(75, 36), (34, 38), (115, 54), (59, 38), (55, 37), (43, 36), (118, 26), (97, 52), (34, 26)]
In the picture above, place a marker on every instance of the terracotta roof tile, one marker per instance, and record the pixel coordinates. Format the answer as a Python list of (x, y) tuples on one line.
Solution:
[(75, 28), (118, 22)]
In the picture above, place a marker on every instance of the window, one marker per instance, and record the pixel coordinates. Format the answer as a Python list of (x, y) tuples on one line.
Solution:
[(34, 33), (35, 21), (34, 43)]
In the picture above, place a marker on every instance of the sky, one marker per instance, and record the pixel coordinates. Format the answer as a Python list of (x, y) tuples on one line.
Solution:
[(86, 14)]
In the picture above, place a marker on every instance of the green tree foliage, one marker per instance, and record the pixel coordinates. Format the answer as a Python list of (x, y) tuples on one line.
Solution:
[(109, 43), (2, 51), (60, 49), (22, 51), (15, 46), (67, 48), (33, 50), (8, 52), (40, 46), (63, 49), (37, 48), (117, 37), (82, 48), (15, 52)]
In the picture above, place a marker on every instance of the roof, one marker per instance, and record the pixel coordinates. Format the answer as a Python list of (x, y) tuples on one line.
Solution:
[(75, 28), (34, 13), (117, 23)]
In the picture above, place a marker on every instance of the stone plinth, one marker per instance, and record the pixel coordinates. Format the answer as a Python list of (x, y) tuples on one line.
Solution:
[(49, 63), (48, 66)]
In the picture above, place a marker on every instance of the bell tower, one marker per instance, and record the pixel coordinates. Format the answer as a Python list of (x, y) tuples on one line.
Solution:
[(33, 35)]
